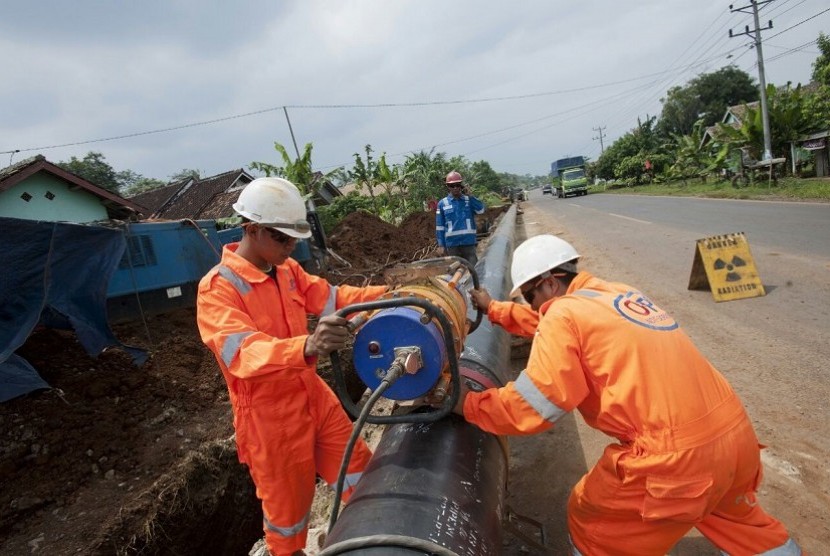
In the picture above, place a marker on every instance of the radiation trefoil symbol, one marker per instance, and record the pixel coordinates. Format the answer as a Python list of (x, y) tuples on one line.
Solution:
[(731, 275)]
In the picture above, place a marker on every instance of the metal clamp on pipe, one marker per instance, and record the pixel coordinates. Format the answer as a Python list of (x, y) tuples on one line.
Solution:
[(391, 335), (425, 317)]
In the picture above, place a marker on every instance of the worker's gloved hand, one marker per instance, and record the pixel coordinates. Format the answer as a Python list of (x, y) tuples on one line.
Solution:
[(330, 335), (481, 298), (459, 406)]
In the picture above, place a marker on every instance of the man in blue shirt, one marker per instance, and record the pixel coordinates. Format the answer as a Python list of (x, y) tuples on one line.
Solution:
[(455, 225)]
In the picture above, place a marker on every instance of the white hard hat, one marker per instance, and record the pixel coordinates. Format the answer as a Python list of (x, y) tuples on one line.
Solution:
[(538, 255), (276, 203)]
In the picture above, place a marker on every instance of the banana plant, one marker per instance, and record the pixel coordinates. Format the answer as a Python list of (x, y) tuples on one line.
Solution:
[(299, 171)]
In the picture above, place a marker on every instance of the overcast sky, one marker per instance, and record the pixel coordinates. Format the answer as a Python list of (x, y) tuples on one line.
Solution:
[(202, 84)]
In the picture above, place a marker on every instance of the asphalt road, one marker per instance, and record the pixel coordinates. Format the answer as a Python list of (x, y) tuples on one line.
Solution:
[(773, 349)]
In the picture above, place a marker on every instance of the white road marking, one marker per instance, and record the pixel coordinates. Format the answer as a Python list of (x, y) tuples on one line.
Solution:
[(629, 218)]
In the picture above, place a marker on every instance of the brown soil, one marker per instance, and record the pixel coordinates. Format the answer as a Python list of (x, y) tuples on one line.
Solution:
[(123, 460)]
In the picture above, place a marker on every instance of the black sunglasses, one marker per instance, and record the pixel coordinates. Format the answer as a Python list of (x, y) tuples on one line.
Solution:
[(278, 236), (530, 294)]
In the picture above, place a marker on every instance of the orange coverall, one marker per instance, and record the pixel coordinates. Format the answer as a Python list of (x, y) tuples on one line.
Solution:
[(289, 424), (687, 454)]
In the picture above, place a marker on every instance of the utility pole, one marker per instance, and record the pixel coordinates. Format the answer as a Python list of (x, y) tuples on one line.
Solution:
[(753, 5), (291, 130), (600, 137)]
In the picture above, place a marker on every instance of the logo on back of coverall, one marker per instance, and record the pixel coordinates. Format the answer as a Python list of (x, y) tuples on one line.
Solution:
[(639, 309)]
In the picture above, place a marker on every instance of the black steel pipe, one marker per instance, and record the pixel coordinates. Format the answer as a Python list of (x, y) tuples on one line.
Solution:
[(488, 351), (439, 484)]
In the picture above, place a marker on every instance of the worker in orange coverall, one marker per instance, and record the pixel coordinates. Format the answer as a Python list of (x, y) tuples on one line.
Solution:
[(252, 313), (687, 454)]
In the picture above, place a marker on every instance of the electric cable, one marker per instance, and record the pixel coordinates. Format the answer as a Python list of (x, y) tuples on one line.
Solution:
[(396, 371)]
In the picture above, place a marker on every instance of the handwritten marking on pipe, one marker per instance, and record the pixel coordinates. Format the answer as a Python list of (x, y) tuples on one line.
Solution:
[(629, 218)]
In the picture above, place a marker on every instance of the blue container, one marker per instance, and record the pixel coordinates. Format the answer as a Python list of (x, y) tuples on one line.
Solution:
[(374, 351), (164, 255), (230, 235)]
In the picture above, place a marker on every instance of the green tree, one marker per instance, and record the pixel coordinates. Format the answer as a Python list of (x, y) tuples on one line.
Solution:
[(365, 175), (821, 65), (484, 177), (817, 101), (298, 171), (626, 157), (186, 174), (93, 168), (789, 119), (425, 172), (705, 97), (136, 183), (693, 158)]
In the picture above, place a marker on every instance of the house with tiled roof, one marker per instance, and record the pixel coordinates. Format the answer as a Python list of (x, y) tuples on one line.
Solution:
[(195, 195), (210, 198), (154, 199), (36, 189), (733, 117)]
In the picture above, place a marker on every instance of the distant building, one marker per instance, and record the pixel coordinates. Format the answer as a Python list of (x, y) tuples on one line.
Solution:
[(209, 198), (733, 117), (36, 189)]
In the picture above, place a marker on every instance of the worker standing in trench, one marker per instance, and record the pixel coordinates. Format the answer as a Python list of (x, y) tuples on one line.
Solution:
[(455, 220), (252, 313), (687, 454)]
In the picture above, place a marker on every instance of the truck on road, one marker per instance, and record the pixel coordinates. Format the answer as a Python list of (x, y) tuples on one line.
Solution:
[(569, 176)]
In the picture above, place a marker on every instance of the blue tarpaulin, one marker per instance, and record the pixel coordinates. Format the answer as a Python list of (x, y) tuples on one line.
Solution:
[(54, 274)]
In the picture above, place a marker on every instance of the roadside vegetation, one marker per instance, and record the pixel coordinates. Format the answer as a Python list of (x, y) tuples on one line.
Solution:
[(697, 148), (794, 189)]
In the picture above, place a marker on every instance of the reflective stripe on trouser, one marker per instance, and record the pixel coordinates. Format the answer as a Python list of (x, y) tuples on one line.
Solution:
[(305, 437), (641, 500)]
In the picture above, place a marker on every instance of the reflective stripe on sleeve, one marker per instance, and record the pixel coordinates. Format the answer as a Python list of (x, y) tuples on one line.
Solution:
[(240, 284), (231, 346), (331, 302), (538, 401), (287, 531)]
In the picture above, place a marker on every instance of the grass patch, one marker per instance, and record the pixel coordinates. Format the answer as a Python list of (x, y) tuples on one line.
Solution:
[(802, 189)]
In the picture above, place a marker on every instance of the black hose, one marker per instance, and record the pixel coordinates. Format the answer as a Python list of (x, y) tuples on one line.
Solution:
[(395, 372)]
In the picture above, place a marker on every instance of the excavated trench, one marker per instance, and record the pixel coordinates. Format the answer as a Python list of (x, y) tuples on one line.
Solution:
[(119, 460)]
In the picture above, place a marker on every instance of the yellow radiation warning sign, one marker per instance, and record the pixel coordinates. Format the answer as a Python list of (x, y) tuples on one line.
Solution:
[(724, 265)]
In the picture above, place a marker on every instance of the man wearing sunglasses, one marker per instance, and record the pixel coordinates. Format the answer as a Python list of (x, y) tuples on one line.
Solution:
[(685, 455), (252, 312), (455, 224)]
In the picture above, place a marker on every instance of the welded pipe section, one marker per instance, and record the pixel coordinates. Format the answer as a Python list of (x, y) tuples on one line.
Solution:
[(439, 488)]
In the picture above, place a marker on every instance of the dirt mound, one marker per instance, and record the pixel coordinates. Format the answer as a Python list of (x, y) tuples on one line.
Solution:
[(369, 244)]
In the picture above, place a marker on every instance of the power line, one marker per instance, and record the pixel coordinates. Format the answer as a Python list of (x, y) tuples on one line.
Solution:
[(337, 107), (799, 23)]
